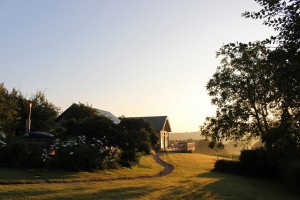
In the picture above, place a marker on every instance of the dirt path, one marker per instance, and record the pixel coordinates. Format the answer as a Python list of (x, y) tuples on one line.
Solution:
[(168, 169)]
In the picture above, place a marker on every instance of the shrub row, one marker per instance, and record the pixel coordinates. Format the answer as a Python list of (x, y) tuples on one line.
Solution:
[(79, 154), (74, 154), (253, 163), (18, 154), (258, 163)]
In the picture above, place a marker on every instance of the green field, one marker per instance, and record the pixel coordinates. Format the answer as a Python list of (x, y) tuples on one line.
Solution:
[(191, 179)]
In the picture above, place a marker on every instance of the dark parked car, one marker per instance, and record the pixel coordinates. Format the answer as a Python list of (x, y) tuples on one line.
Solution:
[(38, 137)]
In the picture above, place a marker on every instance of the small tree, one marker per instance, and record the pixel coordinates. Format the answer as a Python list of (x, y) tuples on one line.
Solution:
[(138, 134), (43, 113)]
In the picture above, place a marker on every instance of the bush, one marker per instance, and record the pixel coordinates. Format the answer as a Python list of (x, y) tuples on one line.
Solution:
[(129, 158), (291, 175), (258, 163), (228, 166), (255, 163), (18, 154), (14, 154), (35, 157), (79, 154)]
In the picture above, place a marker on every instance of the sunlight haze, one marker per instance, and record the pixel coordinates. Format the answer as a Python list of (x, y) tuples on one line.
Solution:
[(129, 57)]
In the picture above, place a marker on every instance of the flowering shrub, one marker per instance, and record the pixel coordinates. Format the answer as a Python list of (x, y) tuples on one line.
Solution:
[(80, 154)]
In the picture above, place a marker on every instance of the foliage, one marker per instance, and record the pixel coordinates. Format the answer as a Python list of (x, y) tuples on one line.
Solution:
[(18, 154), (228, 166), (243, 91), (14, 154), (43, 113), (10, 110), (132, 135), (257, 88), (37, 157), (138, 134), (129, 157), (81, 154), (291, 175), (82, 119), (254, 163), (14, 110), (258, 163), (283, 16)]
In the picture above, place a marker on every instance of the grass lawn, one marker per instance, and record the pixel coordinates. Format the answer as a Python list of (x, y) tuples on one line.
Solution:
[(10, 176), (191, 179)]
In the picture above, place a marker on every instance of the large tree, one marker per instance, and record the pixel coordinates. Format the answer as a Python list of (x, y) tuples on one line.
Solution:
[(9, 110), (284, 17), (14, 111), (244, 93), (256, 88)]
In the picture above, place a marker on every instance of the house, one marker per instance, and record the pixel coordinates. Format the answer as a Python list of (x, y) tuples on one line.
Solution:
[(162, 126), (104, 113)]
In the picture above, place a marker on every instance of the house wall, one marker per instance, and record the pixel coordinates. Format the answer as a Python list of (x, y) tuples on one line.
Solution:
[(164, 139)]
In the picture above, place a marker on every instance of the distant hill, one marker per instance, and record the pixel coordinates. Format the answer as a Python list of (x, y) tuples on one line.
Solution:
[(202, 146), (186, 136), (232, 149)]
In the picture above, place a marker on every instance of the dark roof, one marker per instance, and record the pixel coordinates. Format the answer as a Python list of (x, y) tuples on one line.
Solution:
[(39, 134), (99, 112), (158, 122), (64, 113)]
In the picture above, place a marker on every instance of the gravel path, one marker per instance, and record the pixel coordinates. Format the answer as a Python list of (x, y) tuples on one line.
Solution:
[(168, 169)]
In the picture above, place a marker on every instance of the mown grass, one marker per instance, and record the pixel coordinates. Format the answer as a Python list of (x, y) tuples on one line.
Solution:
[(191, 179), (10, 175)]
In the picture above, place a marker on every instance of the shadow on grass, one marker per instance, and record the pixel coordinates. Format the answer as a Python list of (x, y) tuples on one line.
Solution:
[(19, 194), (231, 186), (17, 176), (214, 186), (80, 193), (189, 190), (116, 193)]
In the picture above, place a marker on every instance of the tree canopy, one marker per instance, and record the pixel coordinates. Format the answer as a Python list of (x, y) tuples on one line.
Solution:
[(82, 119), (256, 88), (14, 109)]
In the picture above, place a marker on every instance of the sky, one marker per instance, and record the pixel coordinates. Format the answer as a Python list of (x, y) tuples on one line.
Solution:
[(130, 57)]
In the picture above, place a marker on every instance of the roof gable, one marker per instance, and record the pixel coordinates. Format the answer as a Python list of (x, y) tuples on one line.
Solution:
[(159, 122)]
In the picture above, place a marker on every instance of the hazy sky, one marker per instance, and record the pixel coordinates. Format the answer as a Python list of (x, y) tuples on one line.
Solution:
[(129, 57)]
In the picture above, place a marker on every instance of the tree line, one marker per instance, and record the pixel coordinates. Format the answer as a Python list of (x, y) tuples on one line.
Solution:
[(131, 137)]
